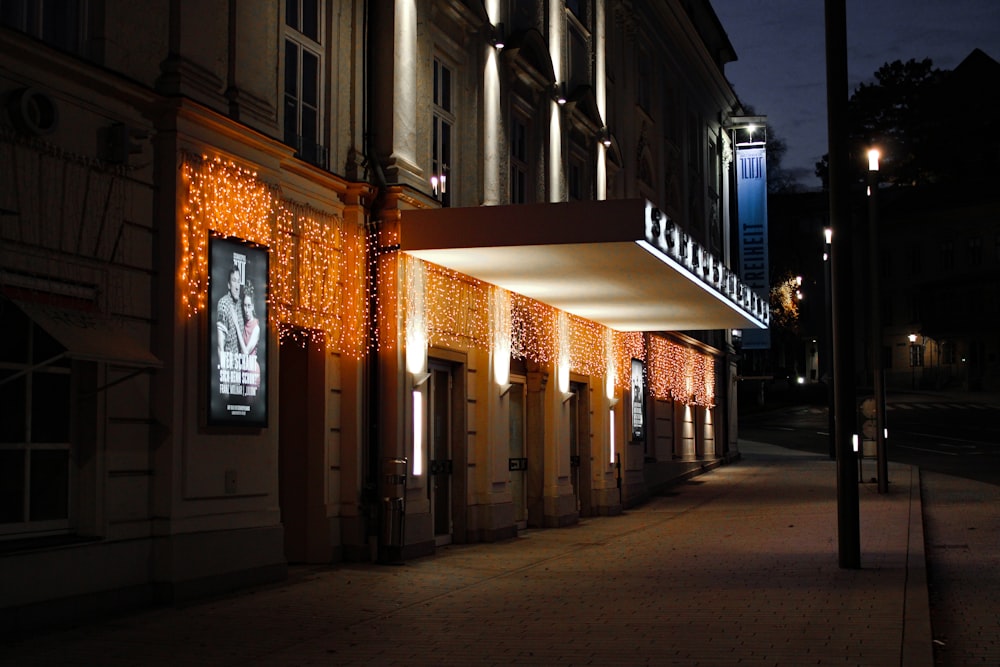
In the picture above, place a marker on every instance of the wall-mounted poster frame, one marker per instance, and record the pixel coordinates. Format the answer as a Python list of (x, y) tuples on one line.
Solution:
[(638, 400), (237, 333)]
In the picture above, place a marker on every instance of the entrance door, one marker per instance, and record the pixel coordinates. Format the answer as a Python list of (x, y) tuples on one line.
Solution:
[(518, 463), (574, 442), (301, 449), (581, 466), (440, 487)]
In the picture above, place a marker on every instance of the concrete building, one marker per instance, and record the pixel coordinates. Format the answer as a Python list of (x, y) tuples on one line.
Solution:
[(480, 250)]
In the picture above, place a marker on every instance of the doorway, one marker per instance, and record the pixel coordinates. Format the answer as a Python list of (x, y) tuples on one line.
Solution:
[(580, 461), (518, 462), (440, 489), (301, 450)]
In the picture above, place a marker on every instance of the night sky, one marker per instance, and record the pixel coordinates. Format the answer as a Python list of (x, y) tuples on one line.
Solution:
[(781, 50)]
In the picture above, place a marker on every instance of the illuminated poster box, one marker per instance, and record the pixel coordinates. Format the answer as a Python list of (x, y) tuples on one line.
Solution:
[(237, 333)]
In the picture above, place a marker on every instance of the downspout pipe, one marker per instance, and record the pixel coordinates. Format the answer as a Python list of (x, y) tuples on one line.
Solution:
[(372, 403)]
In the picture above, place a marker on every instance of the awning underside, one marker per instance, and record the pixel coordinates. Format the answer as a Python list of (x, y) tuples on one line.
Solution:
[(599, 260)]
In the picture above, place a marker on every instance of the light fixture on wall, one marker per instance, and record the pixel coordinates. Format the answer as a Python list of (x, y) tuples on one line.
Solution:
[(497, 39), (604, 136), (559, 93)]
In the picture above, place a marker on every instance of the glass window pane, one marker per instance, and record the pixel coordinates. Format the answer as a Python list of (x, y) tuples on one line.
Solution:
[(445, 145), (61, 24), (310, 19), (50, 407), (291, 120), (292, 14), (45, 347), (309, 133), (13, 334), (49, 487), (291, 67), (13, 395), (11, 486), (446, 89), (12, 14), (310, 79)]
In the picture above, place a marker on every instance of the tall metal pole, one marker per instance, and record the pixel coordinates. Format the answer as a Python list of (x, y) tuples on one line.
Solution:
[(848, 520), (828, 341), (875, 315)]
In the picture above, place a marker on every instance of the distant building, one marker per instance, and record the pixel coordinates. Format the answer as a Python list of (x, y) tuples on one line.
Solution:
[(305, 282)]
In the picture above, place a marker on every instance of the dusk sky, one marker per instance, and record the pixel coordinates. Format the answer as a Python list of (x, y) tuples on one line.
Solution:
[(781, 50)]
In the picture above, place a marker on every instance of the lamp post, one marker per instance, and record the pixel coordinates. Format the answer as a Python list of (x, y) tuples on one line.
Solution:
[(913, 360), (875, 315), (828, 338)]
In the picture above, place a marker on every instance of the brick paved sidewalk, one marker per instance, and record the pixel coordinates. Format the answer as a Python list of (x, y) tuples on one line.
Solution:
[(738, 566)]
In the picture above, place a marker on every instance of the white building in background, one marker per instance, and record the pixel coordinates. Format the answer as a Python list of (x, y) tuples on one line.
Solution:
[(486, 247)]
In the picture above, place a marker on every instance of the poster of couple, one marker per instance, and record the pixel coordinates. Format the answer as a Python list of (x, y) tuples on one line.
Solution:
[(237, 331)]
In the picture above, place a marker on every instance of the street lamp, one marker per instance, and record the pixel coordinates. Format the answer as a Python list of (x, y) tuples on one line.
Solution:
[(876, 322), (913, 360), (828, 342)]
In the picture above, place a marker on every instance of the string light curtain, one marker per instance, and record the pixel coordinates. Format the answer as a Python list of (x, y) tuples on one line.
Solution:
[(317, 272)]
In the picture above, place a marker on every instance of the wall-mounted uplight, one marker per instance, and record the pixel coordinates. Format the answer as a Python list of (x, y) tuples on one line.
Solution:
[(418, 432), (497, 40), (611, 436), (559, 93), (605, 137)]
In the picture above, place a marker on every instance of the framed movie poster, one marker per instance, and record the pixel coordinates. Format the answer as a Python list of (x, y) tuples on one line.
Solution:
[(638, 400), (237, 333)]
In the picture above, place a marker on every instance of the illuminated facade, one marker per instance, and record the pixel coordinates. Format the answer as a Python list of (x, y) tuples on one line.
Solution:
[(498, 295)]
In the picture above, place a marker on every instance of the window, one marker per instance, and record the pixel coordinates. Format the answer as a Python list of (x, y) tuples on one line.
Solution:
[(34, 430), (915, 264), (947, 256), (643, 83), (58, 23), (520, 170), (444, 123), (303, 65), (975, 251)]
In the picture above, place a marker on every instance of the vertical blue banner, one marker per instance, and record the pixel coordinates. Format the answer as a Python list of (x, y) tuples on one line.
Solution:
[(751, 197)]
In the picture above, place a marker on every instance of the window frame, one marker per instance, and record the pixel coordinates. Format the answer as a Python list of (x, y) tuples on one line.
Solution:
[(443, 117), (31, 370), (304, 45)]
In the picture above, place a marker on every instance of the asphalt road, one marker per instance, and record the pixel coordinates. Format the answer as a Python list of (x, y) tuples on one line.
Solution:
[(940, 434), (955, 441)]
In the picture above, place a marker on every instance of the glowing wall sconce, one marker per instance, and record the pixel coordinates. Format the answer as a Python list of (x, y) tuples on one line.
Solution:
[(604, 137), (611, 436), (418, 432), (559, 93), (497, 39)]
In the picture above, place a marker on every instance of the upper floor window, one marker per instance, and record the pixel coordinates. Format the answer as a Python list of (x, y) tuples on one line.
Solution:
[(643, 81), (947, 255), (975, 251), (58, 23), (444, 124), (520, 166), (303, 81)]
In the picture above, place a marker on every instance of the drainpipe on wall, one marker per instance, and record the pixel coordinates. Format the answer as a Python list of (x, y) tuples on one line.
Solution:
[(371, 411)]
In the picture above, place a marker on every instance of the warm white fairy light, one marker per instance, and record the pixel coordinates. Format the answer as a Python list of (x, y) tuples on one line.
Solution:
[(611, 370), (563, 365), (317, 264), (500, 333), (416, 320)]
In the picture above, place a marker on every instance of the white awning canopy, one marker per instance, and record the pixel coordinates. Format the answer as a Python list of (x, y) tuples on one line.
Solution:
[(620, 263)]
